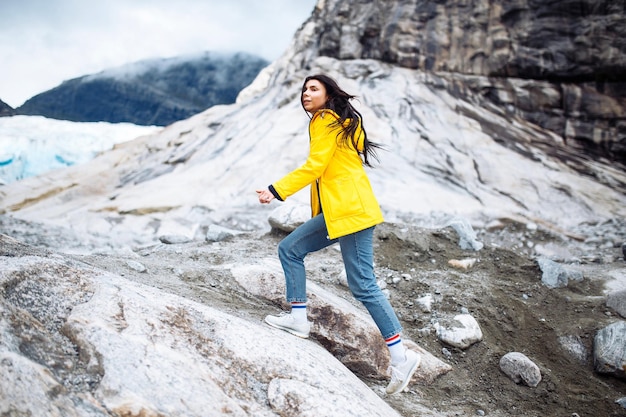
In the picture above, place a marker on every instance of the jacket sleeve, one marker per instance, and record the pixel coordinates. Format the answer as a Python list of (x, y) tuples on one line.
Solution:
[(322, 147)]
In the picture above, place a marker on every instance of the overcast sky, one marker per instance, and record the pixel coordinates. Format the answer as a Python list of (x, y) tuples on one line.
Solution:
[(44, 42)]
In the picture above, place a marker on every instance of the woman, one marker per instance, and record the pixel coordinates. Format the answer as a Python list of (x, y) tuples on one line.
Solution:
[(344, 209)]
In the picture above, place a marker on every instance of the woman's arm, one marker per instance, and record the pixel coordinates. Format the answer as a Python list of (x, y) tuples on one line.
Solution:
[(323, 144)]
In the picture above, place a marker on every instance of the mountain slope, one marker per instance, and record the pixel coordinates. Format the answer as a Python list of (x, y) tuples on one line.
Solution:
[(5, 109), (152, 92)]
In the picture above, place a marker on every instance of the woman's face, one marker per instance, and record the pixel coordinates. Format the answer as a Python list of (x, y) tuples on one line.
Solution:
[(313, 96)]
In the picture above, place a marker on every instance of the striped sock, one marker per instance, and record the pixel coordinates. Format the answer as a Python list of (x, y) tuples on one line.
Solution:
[(396, 349), (298, 311)]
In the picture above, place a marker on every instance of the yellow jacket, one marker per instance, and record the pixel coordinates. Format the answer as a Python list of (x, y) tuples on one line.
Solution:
[(339, 184)]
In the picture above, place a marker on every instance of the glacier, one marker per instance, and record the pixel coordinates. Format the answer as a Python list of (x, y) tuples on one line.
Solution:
[(33, 145)]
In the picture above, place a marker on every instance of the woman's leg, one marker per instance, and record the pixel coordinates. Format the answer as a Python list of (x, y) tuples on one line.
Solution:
[(358, 257), (308, 237)]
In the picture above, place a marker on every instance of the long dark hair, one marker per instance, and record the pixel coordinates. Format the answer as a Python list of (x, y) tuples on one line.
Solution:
[(339, 102)]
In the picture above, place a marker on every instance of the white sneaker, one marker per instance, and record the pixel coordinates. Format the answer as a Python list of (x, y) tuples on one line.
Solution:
[(286, 322), (401, 374)]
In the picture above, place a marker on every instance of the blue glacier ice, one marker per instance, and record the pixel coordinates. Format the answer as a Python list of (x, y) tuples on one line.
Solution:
[(34, 145)]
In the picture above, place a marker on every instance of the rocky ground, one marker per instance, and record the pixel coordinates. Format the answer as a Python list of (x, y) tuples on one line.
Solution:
[(502, 290)]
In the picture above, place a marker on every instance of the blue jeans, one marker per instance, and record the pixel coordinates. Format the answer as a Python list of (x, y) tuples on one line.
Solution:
[(358, 258)]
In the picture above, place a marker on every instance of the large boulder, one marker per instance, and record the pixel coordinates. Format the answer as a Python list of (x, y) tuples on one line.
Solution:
[(609, 350), (79, 341), (345, 330)]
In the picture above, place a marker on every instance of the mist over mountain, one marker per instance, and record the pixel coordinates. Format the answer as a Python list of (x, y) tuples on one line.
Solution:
[(150, 92)]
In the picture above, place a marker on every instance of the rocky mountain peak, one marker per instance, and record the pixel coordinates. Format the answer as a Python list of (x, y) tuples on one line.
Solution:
[(149, 92), (573, 54)]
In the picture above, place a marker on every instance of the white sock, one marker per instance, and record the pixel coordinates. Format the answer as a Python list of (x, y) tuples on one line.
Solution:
[(298, 311), (396, 349)]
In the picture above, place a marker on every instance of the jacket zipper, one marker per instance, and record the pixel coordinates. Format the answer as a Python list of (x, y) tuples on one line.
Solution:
[(319, 198)]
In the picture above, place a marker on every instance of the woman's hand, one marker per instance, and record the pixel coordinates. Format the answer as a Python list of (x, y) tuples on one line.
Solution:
[(265, 196)]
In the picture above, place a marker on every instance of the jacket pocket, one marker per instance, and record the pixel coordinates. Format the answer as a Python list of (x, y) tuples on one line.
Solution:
[(342, 198)]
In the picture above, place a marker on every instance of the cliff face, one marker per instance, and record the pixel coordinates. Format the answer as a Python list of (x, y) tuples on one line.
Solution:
[(558, 64)]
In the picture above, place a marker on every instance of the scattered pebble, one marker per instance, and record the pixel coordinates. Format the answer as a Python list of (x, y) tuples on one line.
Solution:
[(139, 267), (425, 331), (425, 302), (174, 239), (462, 263)]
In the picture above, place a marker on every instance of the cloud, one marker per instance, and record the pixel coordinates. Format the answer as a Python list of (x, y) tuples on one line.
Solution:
[(45, 42)]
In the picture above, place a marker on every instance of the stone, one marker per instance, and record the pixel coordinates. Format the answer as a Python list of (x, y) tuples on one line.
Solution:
[(464, 170), (136, 266), (425, 303), (609, 350), (99, 344), (520, 368), (575, 347), (346, 331), (463, 332), (464, 264), (617, 301), (467, 235), (555, 275), (174, 239), (218, 233), (287, 217)]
